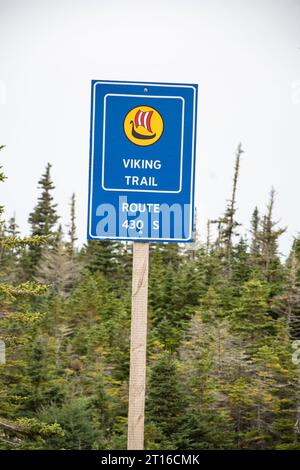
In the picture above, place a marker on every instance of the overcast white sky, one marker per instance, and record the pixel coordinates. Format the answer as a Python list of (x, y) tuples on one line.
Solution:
[(244, 54)]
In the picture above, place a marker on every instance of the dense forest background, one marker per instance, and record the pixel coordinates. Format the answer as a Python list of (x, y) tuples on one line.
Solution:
[(224, 319)]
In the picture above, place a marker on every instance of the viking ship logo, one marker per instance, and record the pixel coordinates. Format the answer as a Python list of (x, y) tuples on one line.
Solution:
[(143, 125)]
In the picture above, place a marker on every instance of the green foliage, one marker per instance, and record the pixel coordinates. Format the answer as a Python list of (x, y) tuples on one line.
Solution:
[(44, 217), (42, 220), (76, 420), (102, 257), (166, 400), (250, 317), (28, 433), (222, 321)]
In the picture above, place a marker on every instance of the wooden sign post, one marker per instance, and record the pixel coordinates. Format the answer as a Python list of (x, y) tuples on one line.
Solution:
[(137, 378)]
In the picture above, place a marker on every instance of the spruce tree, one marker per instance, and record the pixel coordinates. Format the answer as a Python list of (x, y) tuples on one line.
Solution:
[(227, 224), (77, 421), (255, 239), (166, 401), (102, 257), (241, 262), (251, 318), (269, 235), (72, 225), (43, 218)]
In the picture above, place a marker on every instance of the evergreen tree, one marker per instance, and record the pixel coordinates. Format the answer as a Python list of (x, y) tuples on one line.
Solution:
[(102, 257), (255, 249), (166, 401), (227, 224), (72, 225), (241, 263), (251, 318), (269, 235), (77, 421), (43, 218)]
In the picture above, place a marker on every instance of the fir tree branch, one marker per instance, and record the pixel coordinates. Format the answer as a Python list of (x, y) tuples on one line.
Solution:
[(27, 288), (11, 242)]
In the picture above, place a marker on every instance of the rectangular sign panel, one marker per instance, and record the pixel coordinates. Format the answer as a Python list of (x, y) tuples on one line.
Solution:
[(142, 161)]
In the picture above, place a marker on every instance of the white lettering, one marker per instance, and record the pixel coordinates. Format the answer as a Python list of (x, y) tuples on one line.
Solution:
[(141, 164), (141, 181), (140, 207)]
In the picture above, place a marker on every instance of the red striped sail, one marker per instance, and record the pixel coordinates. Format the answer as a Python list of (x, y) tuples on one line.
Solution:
[(143, 118)]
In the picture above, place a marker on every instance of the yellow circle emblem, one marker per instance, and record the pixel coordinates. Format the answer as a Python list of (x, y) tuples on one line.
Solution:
[(143, 125)]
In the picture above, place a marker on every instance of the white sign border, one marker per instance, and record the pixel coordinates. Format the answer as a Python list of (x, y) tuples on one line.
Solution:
[(181, 146)]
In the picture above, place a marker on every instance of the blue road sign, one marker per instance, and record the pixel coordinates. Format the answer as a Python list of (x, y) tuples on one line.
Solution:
[(142, 161)]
